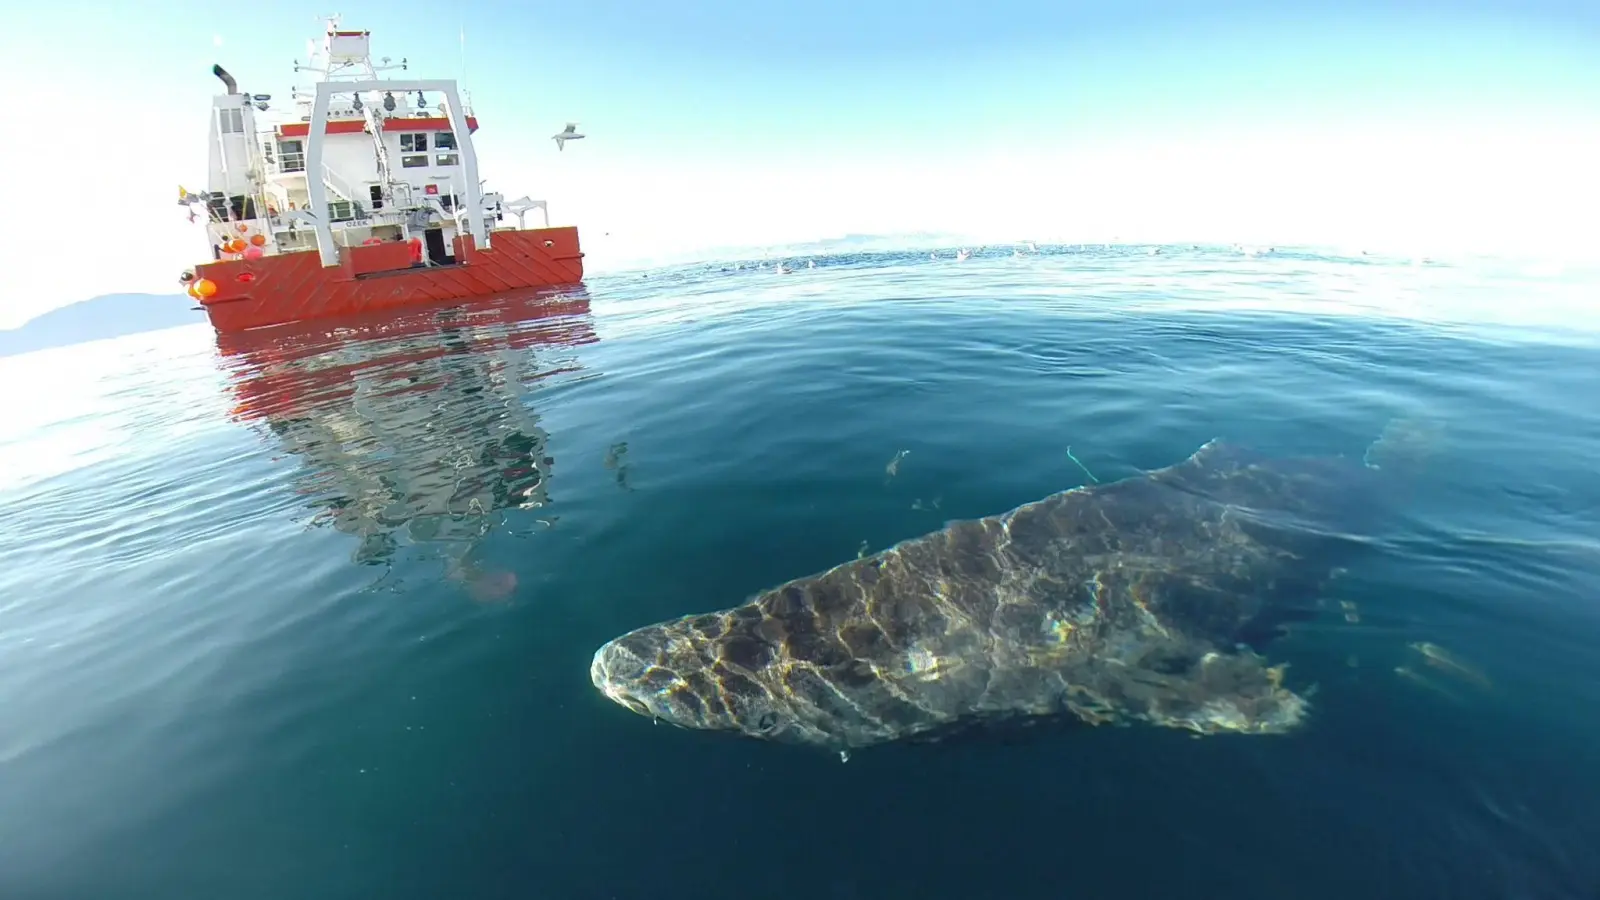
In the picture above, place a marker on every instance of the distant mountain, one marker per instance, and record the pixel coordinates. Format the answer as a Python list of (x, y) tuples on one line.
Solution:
[(112, 315)]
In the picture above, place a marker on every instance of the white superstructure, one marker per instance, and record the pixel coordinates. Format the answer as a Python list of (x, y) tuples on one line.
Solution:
[(356, 157)]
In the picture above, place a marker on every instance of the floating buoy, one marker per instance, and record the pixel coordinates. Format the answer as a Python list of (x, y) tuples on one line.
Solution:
[(205, 287), (260, 240)]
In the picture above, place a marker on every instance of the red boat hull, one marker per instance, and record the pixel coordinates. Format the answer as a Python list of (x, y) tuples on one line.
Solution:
[(295, 287)]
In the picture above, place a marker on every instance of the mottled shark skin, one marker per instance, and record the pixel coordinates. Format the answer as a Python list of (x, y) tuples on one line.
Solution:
[(1115, 603)]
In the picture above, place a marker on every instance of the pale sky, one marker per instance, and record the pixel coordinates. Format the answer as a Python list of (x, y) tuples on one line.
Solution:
[(1379, 125)]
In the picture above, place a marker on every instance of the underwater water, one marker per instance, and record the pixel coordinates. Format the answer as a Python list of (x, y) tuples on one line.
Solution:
[(309, 613)]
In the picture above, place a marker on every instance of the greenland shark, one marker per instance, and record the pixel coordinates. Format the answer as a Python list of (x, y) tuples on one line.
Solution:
[(1144, 600)]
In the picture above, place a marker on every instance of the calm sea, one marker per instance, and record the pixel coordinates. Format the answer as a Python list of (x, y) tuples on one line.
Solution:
[(310, 614)]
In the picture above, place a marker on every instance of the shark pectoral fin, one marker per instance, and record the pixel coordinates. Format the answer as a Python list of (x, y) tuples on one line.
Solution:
[(1216, 692), (1243, 693), (1406, 443)]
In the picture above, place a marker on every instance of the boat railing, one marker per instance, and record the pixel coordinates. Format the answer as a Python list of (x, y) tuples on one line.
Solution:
[(402, 195), (340, 186), (279, 161)]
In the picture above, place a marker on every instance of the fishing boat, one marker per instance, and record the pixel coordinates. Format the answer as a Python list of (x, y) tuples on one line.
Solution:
[(363, 196)]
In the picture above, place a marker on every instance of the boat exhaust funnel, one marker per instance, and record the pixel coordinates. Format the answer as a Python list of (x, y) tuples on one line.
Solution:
[(220, 72)]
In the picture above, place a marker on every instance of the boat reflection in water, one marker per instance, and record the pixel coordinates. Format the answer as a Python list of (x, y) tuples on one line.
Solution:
[(413, 428)]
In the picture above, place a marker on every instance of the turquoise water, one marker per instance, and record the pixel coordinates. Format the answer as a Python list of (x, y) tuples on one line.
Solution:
[(310, 615)]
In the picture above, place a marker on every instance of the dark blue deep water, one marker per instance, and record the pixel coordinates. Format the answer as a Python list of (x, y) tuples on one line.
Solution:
[(310, 613)]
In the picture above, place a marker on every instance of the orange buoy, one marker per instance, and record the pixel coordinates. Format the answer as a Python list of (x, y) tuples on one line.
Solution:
[(234, 246), (243, 227), (260, 240), (205, 287), (192, 291)]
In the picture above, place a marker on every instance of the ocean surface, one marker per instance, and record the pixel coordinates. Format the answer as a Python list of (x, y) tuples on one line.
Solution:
[(310, 613)]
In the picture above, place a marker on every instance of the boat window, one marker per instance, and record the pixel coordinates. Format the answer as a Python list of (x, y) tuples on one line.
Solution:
[(414, 162), (294, 156), (343, 211), (230, 121), (414, 142), (444, 140), (447, 159)]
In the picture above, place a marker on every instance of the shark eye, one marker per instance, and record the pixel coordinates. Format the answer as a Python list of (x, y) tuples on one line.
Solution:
[(768, 721)]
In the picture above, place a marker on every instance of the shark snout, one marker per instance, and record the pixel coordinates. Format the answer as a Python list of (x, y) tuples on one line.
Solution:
[(617, 673)]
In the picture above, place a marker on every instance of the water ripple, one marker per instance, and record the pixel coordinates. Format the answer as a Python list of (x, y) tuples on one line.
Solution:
[(308, 611)]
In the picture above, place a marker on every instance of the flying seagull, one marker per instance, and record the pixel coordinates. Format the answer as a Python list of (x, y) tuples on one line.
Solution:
[(570, 134)]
